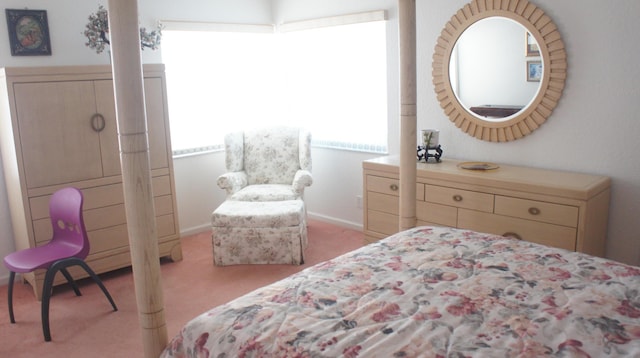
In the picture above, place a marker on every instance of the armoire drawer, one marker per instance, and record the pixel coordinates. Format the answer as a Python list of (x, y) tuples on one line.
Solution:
[(105, 217), (537, 210), (459, 198), (95, 197), (528, 230)]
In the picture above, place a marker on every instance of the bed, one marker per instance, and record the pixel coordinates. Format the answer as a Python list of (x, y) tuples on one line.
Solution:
[(432, 292)]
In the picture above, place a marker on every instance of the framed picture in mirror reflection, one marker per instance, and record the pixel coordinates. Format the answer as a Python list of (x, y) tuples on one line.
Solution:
[(534, 71), (531, 48)]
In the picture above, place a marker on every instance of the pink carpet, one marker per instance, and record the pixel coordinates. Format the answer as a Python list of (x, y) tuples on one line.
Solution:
[(86, 326)]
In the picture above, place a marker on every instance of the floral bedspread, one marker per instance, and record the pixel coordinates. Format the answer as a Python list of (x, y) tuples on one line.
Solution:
[(432, 292)]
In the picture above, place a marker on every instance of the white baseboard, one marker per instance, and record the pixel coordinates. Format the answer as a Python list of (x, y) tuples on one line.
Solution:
[(329, 219), (195, 229)]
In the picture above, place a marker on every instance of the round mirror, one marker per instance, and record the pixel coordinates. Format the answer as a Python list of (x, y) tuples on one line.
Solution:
[(488, 67), (499, 69)]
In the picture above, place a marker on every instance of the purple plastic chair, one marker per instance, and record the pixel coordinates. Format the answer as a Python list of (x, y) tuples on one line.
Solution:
[(68, 247)]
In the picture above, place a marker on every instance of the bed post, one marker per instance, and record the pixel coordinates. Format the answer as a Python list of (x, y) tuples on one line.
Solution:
[(136, 172), (408, 113)]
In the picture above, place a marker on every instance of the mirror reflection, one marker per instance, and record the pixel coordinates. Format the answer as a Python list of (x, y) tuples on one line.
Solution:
[(489, 69)]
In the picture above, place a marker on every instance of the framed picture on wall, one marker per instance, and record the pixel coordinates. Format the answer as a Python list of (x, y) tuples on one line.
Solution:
[(28, 32), (532, 48), (534, 71)]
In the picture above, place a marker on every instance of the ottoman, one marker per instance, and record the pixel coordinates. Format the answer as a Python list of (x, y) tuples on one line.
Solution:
[(265, 232)]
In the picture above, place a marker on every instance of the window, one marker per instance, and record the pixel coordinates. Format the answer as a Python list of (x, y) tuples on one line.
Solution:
[(216, 81), (331, 80)]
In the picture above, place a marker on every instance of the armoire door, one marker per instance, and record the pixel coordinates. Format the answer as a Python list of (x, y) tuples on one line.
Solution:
[(58, 143)]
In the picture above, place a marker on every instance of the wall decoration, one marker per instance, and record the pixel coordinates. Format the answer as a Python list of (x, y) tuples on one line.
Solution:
[(534, 71), (97, 33), (28, 32), (532, 48)]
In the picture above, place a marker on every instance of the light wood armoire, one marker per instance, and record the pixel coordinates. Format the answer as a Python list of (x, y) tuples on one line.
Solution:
[(58, 128)]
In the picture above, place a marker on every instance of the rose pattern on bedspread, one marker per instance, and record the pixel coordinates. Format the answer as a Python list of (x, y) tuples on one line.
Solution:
[(432, 292)]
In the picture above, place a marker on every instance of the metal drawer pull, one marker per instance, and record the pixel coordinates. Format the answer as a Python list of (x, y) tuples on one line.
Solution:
[(457, 197), (97, 122), (393, 187), (512, 234), (534, 211)]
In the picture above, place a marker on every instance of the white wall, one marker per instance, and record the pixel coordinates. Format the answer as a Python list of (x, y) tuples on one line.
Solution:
[(593, 129)]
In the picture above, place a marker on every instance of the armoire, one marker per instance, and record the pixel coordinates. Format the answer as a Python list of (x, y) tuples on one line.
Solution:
[(58, 128)]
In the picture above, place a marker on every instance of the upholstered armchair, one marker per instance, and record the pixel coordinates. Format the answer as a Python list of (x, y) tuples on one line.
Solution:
[(269, 164)]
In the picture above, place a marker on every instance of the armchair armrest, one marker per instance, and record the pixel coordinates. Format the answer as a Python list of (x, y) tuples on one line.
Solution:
[(232, 181), (301, 180)]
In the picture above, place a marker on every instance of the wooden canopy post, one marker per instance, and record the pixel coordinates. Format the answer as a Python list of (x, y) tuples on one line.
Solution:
[(136, 172), (408, 113)]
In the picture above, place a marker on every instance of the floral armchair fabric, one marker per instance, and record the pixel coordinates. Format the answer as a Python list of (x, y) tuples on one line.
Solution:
[(267, 164)]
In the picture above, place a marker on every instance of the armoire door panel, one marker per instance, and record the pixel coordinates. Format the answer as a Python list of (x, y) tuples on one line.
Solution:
[(154, 99), (106, 107), (57, 142)]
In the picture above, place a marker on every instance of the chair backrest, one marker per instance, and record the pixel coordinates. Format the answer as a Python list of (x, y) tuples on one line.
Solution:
[(269, 155), (65, 211)]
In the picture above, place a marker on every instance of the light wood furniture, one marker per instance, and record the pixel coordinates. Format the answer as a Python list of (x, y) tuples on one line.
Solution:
[(58, 128), (556, 208)]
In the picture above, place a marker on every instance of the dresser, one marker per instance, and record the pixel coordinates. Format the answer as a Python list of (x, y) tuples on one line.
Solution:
[(58, 128), (555, 208)]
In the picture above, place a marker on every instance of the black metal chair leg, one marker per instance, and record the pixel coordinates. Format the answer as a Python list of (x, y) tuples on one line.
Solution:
[(98, 282), (71, 281), (46, 297), (12, 277), (48, 287)]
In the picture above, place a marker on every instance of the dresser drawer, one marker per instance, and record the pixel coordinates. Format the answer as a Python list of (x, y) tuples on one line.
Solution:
[(390, 186), (383, 185), (459, 198), (383, 202), (532, 231), (436, 213), (537, 210), (382, 222)]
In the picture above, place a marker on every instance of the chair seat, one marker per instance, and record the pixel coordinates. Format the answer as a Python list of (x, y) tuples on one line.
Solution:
[(39, 257), (265, 192), (259, 214)]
